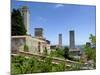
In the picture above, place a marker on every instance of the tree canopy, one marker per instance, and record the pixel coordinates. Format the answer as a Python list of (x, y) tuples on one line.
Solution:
[(17, 25), (90, 51), (66, 52)]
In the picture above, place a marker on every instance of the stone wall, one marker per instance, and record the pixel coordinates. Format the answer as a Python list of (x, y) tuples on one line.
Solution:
[(34, 45)]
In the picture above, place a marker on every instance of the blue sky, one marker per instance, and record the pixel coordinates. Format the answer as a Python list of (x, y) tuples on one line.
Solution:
[(61, 18)]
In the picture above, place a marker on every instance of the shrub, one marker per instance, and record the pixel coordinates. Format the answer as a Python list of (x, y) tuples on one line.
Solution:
[(26, 49), (66, 52), (45, 51)]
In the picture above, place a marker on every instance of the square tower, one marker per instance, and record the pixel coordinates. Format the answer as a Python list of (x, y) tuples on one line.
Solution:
[(39, 32), (60, 40), (72, 39), (25, 14)]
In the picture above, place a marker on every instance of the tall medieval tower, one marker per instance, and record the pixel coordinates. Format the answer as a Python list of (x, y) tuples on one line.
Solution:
[(39, 33), (72, 39), (60, 40), (25, 14)]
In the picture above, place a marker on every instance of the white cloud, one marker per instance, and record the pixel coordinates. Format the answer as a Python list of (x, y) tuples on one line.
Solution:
[(58, 5)]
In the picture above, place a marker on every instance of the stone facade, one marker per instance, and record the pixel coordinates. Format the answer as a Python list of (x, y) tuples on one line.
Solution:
[(34, 45), (26, 17)]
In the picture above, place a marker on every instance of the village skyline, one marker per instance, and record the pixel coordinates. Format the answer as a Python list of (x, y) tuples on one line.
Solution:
[(47, 37), (61, 18)]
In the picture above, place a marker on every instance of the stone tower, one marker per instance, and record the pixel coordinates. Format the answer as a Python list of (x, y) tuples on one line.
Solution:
[(25, 14), (72, 39), (60, 40), (39, 32)]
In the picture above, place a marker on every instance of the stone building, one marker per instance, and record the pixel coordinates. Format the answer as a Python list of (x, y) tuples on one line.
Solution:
[(34, 45)]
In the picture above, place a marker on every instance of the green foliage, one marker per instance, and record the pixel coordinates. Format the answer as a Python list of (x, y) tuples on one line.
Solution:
[(66, 52), (25, 65), (63, 53), (17, 66), (91, 51), (71, 57), (47, 66), (60, 52), (45, 51), (17, 25), (93, 40), (57, 53), (60, 67), (75, 67), (26, 48)]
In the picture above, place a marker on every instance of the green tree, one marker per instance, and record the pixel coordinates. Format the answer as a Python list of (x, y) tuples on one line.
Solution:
[(17, 65), (91, 51), (66, 52), (57, 53), (60, 52), (47, 66), (93, 40), (17, 25)]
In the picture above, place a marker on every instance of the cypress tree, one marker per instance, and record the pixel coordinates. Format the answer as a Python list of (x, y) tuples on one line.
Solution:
[(17, 25)]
